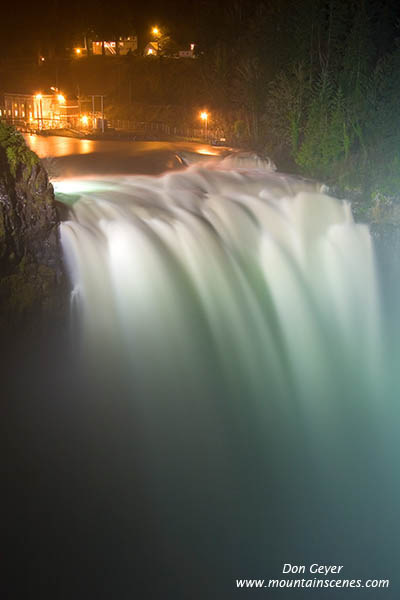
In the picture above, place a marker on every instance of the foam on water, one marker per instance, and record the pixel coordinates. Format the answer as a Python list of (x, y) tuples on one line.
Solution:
[(236, 312), (276, 272)]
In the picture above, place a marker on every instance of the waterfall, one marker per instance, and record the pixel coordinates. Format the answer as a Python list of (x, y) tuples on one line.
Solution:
[(232, 315), (255, 275)]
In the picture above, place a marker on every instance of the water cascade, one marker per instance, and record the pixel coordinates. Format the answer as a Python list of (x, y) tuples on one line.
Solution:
[(232, 315)]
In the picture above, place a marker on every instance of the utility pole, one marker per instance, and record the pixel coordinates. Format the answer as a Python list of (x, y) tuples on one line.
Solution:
[(101, 96)]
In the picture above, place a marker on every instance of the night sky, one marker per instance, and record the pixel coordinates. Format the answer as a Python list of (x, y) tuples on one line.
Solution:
[(52, 25), (57, 24)]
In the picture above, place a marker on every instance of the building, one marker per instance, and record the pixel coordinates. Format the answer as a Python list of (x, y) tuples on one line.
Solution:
[(189, 53), (155, 48), (186, 54), (122, 46), (151, 49), (41, 111)]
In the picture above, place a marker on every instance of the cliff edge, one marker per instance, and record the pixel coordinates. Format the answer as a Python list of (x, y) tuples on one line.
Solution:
[(33, 287)]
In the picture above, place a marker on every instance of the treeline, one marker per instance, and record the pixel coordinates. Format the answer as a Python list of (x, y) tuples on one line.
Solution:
[(317, 84)]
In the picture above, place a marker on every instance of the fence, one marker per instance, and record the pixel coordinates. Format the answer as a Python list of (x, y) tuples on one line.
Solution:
[(158, 128), (147, 128)]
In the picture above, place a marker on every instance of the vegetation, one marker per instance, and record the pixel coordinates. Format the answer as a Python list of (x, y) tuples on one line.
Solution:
[(17, 153), (317, 85), (312, 83), (32, 284)]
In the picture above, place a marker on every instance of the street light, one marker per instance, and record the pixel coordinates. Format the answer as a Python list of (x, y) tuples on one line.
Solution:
[(157, 36), (61, 98), (204, 117)]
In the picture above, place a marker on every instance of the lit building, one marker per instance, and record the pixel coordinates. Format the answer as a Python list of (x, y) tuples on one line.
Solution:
[(151, 49), (187, 53), (121, 46), (43, 111)]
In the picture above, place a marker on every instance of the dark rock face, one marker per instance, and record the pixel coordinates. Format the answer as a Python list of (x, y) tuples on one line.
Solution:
[(32, 280)]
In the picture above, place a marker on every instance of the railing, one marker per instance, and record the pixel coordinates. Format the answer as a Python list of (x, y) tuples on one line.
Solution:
[(36, 123), (150, 128), (147, 128)]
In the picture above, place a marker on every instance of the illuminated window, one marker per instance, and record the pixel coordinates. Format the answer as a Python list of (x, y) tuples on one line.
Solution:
[(16, 113)]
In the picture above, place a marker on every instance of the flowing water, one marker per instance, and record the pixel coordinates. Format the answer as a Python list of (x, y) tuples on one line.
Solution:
[(228, 320)]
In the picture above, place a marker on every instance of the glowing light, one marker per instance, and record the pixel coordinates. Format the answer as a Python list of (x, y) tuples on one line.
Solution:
[(61, 99), (155, 31), (207, 152), (78, 50), (85, 119), (204, 115), (42, 58), (76, 186), (38, 96), (86, 146), (150, 51), (192, 47)]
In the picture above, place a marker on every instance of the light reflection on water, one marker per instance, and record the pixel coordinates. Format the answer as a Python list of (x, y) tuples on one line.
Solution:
[(69, 157), (57, 146)]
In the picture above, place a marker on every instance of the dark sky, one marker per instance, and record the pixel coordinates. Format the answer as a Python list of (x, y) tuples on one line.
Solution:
[(52, 25), (57, 22)]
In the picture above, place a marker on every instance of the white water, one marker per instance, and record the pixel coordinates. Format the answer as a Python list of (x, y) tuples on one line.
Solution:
[(230, 317), (259, 273)]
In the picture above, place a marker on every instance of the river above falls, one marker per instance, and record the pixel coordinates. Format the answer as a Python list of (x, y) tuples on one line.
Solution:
[(70, 157)]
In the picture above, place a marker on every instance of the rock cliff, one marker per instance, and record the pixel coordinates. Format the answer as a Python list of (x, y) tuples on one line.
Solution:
[(32, 281)]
